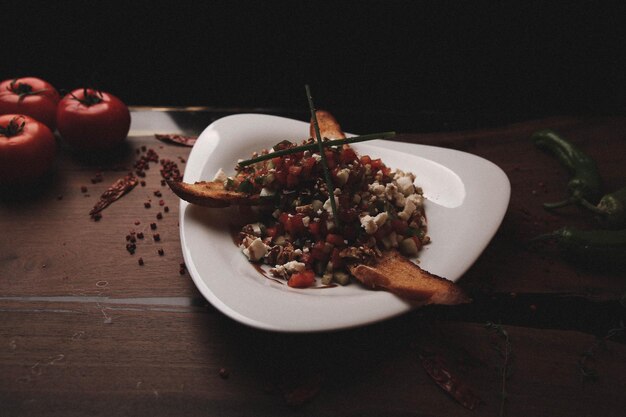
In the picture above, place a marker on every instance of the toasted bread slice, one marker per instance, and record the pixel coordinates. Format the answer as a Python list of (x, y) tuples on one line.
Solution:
[(396, 274), (213, 194), (329, 126)]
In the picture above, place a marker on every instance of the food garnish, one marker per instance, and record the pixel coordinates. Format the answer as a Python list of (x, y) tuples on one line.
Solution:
[(114, 192), (380, 211), (177, 139)]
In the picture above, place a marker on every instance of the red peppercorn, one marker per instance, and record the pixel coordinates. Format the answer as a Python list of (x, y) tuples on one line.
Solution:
[(137, 222), (146, 204), (140, 235), (161, 203), (143, 183), (140, 261), (159, 215), (156, 237), (153, 226), (166, 209), (161, 252), (157, 193)]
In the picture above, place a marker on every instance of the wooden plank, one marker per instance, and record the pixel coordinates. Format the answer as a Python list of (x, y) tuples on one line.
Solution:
[(50, 246), (67, 359)]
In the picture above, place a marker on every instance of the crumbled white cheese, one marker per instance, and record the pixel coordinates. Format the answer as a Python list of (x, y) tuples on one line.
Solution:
[(306, 220), (220, 175), (276, 213), (376, 188), (399, 200), (328, 207), (342, 177), (371, 224), (381, 218), (266, 192), (390, 191), (317, 157), (289, 268), (412, 202), (255, 250), (405, 185)]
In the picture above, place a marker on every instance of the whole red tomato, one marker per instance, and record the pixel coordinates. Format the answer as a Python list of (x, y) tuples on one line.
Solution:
[(92, 120), (30, 96), (27, 149)]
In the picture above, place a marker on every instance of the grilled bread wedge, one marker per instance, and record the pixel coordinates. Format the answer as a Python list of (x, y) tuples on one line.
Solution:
[(329, 127), (213, 194), (395, 273)]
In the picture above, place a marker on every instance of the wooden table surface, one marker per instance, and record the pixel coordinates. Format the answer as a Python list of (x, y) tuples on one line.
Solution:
[(86, 330)]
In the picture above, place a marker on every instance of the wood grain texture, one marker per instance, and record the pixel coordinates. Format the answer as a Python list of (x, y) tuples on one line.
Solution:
[(86, 330), (65, 359)]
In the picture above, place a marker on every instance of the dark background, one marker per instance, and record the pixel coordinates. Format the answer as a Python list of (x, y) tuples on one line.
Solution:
[(382, 64)]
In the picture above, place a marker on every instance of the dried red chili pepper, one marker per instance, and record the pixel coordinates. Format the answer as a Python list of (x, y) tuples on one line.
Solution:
[(177, 139), (437, 369), (114, 192)]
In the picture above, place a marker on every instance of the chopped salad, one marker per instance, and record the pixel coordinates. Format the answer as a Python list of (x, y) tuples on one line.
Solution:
[(298, 235)]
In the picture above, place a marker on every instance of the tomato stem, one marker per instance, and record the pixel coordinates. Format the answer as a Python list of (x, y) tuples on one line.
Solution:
[(90, 97), (14, 128), (23, 90)]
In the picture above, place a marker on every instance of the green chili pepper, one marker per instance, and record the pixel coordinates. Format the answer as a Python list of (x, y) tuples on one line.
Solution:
[(611, 209), (604, 248), (584, 182)]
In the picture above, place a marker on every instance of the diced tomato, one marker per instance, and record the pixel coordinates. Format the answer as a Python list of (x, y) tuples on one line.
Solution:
[(347, 156), (293, 223), (295, 170), (278, 162), (283, 218), (335, 239), (292, 180), (399, 226), (317, 252), (307, 167), (302, 279), (335, 259), (314, 228), (365, 159), (281, 177), (377, 164), (306, 259), (271, 231)]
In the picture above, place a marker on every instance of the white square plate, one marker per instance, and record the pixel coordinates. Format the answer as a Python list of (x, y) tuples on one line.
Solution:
[(467, 197)]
